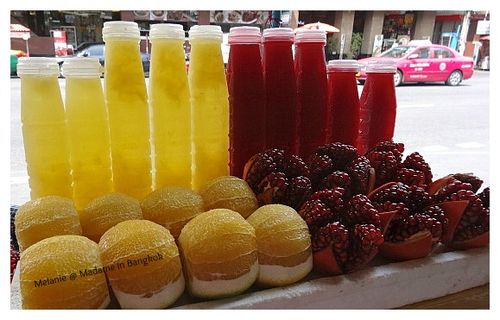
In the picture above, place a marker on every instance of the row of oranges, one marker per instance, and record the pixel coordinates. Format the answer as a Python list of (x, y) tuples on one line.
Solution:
[(217, 241)]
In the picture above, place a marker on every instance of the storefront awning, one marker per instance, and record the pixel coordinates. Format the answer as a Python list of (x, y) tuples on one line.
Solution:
[(451, 17), (18, 30)]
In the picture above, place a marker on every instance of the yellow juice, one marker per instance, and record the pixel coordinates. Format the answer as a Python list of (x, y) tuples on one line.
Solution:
[(88, 131), (210, 109), (170, 107), (44, 129), (127, 105)]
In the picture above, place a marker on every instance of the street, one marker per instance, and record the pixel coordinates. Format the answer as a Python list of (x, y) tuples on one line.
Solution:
[(449, 126)]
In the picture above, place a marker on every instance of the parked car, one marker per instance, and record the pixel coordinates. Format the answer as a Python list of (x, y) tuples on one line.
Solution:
[(14, 57), (97, 50), (424, 62)]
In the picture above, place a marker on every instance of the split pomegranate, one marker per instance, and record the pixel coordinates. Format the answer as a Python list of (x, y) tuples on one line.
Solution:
[(346, 234), (417, 224), (339, 165), (387, 160), (277, 177), (13, 238), (468, 212), (485, 197), (14, 258)]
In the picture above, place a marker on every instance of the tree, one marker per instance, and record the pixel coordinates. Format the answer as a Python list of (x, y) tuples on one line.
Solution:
[(356, 41)]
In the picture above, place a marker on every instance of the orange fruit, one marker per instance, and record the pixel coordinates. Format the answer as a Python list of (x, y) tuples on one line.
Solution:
[(106, 211), (63, 272), (143, 264), (229, 192), (219, 253), (172, 207), (283, 243), (45, 217)]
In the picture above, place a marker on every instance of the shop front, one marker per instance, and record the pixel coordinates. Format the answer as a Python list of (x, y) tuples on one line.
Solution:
[(398, 29)]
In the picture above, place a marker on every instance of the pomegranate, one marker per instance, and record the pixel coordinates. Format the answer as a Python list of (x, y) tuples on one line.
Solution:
[(14, 258), (416, 162), (339, 165), (417, 224), (485, 197), (468, 212), (277, 177), (346, 233), (13, 239), (387, 160)]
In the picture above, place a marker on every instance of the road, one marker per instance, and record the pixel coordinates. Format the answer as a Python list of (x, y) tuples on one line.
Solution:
[(449, 126)]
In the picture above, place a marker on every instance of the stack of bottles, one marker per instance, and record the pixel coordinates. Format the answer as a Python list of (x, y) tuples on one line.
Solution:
[(191, 126)]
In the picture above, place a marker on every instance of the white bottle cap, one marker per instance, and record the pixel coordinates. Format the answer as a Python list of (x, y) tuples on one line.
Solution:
[(381, 67), (278, 34), (120, 29), (82, 67), (244, 35), (343, 65), (306, 35), (37, 66), (205, 32), (167, 31)]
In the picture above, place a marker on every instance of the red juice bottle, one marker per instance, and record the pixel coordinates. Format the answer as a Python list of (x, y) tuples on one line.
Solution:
[(377, 106), (247, 113), (281, 95), (312, 90), (343, 102)]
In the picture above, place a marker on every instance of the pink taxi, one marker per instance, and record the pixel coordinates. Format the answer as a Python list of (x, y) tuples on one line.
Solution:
[(417, 62)]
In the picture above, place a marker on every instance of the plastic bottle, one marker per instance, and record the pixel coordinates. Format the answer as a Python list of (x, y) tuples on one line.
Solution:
[(247, 100), (170, 106), (88, 130), (377, 106), (343, 101), (312, 90), (44, 128), (127, 104), (281, 95), (209, 105)]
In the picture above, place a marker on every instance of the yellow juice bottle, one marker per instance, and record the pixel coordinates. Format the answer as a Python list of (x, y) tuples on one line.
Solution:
[(170, 106), (44, 128), (209, 105), (88, 130), (127, 105)]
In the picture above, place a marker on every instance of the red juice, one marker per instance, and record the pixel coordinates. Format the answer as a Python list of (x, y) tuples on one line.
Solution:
[(377, 106), (343, 102), (281, 95), (247, 114), (312, 90)]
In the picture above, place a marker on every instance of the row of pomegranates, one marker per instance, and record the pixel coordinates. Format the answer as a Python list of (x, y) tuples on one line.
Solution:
[(357, 206)]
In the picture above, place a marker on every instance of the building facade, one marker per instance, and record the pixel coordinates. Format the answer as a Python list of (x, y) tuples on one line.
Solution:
[(362, 33)]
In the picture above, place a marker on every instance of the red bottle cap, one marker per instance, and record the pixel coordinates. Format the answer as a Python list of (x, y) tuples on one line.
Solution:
[(278, 34), (343, 66), (314, 36), (244, 35)]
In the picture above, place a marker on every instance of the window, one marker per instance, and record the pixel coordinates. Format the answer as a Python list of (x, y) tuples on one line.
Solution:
[(95, 51), (441, 53), (397, 52), (423, 53)]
